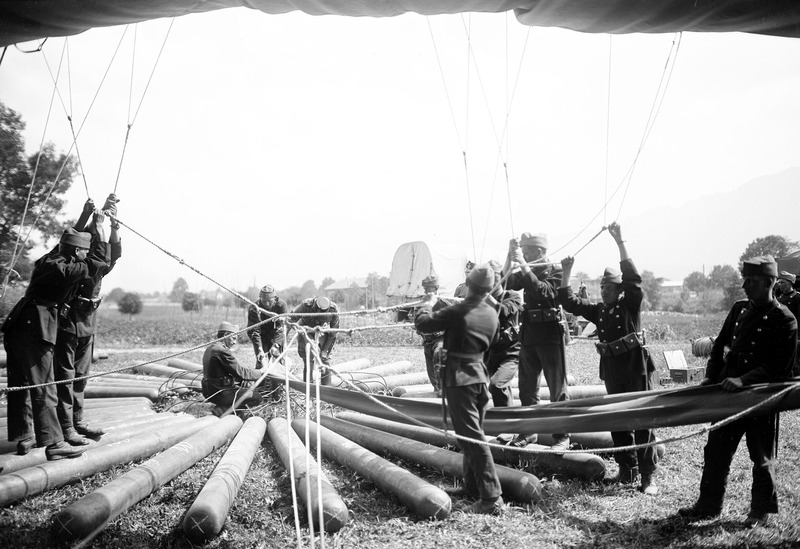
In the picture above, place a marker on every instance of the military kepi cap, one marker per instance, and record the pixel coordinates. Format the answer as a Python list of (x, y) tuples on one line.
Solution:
[(762, 265), (268, 291), (75, 238), (529, 239), (481, 277), (430, 280), (611, 276), (226, 326), (322, 303), (786, 275)]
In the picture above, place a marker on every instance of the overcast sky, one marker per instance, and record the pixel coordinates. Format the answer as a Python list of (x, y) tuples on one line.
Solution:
[(277, 149)]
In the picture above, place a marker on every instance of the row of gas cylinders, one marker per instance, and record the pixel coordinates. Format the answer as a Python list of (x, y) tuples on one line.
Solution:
[(135, 431)]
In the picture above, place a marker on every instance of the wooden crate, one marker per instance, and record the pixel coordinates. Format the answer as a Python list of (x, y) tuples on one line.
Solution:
[(679, 371), (692, 374)]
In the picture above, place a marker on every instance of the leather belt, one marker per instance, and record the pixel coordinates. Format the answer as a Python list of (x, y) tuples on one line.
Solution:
[(622, 345), (539, 316)]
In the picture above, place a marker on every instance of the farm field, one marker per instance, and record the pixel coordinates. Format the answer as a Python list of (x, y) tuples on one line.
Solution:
[(573, 513)]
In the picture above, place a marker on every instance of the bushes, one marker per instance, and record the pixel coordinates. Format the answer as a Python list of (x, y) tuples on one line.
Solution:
[(662, 326)]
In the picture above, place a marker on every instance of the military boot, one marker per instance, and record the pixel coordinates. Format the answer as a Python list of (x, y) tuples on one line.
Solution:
[(486, 507), (24, 445), (626, 475), (73, 438), (647, 485), (91, 432), (61, 450)]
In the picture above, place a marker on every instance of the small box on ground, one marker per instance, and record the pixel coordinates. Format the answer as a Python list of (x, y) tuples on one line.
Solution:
[(679, 371), (692, 374)]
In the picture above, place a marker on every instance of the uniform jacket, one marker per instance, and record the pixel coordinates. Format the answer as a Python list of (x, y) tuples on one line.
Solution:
[(331, 319), (762, 342), (540, 293), (269, 333), (792, 302), (508, 310), (54, 281), (80, 320), (221, 369), (613, 322), (470, 328), (433, 337)]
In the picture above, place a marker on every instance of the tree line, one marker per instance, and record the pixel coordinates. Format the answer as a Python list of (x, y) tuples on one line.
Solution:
[(355, 297)]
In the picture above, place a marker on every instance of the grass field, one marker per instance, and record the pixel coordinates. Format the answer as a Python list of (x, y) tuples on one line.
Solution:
[(573, 513)]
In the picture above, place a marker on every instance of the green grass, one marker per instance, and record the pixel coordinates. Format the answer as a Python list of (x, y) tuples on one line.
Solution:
[(574, 513)]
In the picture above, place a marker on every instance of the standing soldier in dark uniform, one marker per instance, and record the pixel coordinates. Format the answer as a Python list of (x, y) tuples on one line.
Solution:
[(625, 365), (790, 297), (461, 290), (31, 329), (543, 349), (756, 345), (269, 334), (326, 316), (432, 341), (223, 376), (502, 360), (470, 328), (75, 343)]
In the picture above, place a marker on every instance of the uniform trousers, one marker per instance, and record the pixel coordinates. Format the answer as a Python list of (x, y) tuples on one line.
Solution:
[(325, 378), (429, 349), (502, 369), (30, 362), (719, 451), (644, 458), (73, 358), (467, 407), (535, 360), (224, 398)]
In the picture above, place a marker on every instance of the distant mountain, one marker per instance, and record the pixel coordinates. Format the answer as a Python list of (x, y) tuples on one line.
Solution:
[(710, 230)]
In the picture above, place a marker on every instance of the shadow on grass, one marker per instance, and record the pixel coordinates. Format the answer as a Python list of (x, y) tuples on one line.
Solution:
[(676, 531)]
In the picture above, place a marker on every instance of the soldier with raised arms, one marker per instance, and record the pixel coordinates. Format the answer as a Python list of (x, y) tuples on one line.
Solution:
[(625, 363), (31, 331), (542, 337)]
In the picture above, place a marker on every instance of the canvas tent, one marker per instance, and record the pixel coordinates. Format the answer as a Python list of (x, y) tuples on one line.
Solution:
[(790, 262), (414, 261)]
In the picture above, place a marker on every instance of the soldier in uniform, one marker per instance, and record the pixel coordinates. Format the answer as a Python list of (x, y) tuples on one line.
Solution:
[(432, 341), (268, 335), (790, 297), (327, 316), (625, 365), (461, 290), (31, 330), (542, 337), (470, 327), (787, 295), (75, 342), (502, 359), (223, 376), (756, 345)]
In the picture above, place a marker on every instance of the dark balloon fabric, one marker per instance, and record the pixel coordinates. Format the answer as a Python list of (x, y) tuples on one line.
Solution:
[(22, 21), (627, 411)]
